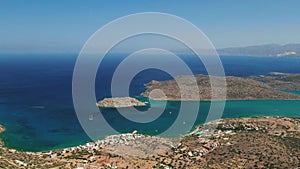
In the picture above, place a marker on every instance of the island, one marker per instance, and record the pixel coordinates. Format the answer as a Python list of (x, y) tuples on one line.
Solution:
[(238, 88), (2, 129), (118, 102)]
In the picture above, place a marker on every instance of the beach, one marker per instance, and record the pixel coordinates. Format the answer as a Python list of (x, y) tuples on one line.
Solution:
[(222, 143)]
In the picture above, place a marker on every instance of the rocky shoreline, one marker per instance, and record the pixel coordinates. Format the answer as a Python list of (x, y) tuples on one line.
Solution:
[(118, 102), (270, 87), (2, 129), (238, 88), (257, 142)]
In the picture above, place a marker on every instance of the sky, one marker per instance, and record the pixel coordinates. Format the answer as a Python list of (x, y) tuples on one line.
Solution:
[(56, 26)]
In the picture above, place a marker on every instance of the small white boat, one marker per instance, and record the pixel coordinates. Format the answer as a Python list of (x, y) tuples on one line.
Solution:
[(91, 117)]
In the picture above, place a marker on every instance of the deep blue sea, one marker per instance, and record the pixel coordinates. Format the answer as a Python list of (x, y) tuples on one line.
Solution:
[(37, 110)]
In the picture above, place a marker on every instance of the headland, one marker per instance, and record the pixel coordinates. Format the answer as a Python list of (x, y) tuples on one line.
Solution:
[(237, 88)]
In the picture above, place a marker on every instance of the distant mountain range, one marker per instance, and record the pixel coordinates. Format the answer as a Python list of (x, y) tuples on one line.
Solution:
[(275, 50)]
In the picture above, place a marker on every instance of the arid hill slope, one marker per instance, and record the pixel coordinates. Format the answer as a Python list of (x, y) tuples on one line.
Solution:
[(238, 88)]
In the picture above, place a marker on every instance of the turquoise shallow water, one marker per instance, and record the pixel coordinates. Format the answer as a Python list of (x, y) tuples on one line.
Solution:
[(292, 91), (287, 108), (233, 109), (37, 109)]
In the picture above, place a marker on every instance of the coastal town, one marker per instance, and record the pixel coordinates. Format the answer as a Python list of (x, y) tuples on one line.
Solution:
[(258, 142)]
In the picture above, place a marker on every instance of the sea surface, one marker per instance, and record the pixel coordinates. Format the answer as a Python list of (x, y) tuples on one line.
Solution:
[(36, 105)]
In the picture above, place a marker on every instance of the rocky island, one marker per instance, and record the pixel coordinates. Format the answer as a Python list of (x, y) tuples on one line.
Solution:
[(120, 102), (2, 129), (238, 88)]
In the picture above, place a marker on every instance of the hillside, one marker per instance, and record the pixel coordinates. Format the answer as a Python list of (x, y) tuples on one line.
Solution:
[(264, 142), (237, 89), (280, 80)]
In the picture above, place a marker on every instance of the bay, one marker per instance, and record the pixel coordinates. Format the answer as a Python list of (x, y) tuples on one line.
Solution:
[(37, 109)]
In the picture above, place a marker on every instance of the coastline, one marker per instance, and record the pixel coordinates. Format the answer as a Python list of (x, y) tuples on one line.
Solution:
[(120, 102), (143, 98), (207, 142), (209, 100), (237, 88), (236, 105), (126, 145), (193, 131)]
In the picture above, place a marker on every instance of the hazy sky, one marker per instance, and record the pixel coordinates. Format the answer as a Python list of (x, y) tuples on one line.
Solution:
[(57, 26)]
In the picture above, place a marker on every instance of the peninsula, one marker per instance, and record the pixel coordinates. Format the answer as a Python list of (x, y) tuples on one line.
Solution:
[(238, 88), (279, 80), (120, 102)]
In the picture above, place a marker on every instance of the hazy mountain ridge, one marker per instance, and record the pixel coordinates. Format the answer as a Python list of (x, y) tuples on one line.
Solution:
[(274, 50)]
